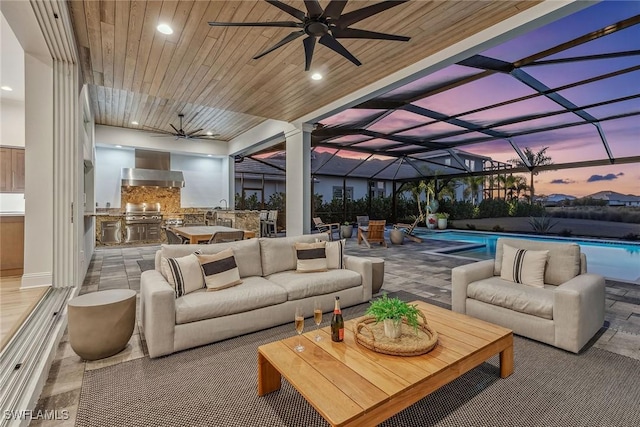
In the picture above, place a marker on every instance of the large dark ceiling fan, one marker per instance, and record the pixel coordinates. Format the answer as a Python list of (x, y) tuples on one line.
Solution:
[(324, 25), (179, 132)]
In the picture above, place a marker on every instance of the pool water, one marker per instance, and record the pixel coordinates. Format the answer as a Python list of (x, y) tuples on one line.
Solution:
[(611, 259)]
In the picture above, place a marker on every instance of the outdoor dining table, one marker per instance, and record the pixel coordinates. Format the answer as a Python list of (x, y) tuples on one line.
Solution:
[(201, 233)]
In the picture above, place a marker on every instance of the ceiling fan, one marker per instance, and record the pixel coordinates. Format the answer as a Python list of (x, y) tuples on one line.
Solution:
[(323, 25), (181, 133)]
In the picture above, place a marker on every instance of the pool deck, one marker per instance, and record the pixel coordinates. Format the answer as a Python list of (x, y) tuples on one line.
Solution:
[(413, 267)]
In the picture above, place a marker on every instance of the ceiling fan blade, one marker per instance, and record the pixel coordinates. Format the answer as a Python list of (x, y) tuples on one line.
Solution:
[(190, 134), (309, 46), (174, 128), (157, 130), (360, 14), (335, 45), (296, 13), (313, 7), (353, 33), (204, 136), (334, 9), (282, 42), (281, 24)]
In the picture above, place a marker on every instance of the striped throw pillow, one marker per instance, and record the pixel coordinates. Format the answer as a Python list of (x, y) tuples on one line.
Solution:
[(183, 274), (220, 270), (311, 257), (335, 254), (524, 266)]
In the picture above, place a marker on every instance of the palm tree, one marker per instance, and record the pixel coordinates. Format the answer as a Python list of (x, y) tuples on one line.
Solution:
[(536, 160), (472, 186)]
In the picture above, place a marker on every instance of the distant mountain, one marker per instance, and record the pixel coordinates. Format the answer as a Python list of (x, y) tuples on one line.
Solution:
[(613, 196)]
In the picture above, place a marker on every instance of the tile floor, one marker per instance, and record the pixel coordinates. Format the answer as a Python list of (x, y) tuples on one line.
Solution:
[(407, 267)]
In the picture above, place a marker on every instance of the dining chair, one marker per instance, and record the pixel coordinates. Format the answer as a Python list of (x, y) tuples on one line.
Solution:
[(271, 224), (174, 239), (227, 236)]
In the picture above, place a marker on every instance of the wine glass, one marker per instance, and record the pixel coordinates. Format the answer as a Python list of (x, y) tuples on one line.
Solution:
[(317, 318), (299, 321)]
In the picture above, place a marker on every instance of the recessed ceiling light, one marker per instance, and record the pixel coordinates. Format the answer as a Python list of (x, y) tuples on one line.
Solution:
[(118, 146), (209, 133), (135, 123), (7, 88), (316, 76), (209, 155), (164, 29)]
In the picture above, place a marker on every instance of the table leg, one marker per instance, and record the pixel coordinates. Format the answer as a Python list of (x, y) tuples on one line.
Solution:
[(506, 361), (268, 377)]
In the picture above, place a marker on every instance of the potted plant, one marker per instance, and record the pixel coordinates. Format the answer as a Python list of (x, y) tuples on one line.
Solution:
[(442, 220), (392, 311), (396, 235), (346, 230)]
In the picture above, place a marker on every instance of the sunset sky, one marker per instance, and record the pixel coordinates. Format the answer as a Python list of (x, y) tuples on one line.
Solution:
[(571, 144)]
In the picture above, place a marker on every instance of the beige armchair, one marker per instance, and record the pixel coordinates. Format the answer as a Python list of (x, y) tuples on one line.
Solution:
[(566, 313)]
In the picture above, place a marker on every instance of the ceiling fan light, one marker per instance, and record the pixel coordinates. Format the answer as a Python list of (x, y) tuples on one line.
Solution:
[(165, 29), (209, 133), (316, 76), (135, 123)]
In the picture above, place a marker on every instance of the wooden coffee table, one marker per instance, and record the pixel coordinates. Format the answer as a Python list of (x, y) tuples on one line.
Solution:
[(351, 385)]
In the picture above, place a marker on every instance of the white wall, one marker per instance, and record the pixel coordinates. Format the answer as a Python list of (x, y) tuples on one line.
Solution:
[(11, 123), (108, 174), (205, 180)]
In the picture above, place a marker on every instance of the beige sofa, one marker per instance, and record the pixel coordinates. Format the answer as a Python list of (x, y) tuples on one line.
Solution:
[(566, 313), (270, 291)]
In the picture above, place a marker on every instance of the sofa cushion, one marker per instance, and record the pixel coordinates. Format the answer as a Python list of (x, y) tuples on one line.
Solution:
[(247, 253), (183, 274), (335, 253), (300, 286), (563, 263), (514, 296), (220, 270), (523, 266), (278, 254), (310, 257), (254, 292)]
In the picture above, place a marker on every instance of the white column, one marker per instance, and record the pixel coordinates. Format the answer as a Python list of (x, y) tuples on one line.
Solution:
[(38, 220), (229, 171), (298, 146)]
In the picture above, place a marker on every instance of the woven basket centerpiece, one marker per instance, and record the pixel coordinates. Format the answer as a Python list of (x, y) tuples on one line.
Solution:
[(412, 341)]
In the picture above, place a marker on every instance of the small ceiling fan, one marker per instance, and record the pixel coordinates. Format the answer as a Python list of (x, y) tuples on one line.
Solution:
[(181, 133), (323, 25)]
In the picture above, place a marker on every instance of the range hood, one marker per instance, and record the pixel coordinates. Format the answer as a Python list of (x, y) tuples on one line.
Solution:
[(152, 177), (152, 169)]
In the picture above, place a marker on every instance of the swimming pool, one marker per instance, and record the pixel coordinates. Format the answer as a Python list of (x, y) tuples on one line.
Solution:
[(611, 259)]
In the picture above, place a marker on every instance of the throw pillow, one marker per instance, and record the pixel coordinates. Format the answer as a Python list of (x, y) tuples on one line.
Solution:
[(220, 270), (524, 266), (311, 257), (335, 254), (183, 274)]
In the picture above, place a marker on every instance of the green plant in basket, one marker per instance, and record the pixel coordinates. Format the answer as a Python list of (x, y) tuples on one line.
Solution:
[(394, 309)]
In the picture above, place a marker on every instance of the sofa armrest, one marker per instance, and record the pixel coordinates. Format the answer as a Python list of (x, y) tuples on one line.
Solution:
[(158, 312), (461, 276), (364, 268), (578, 310)]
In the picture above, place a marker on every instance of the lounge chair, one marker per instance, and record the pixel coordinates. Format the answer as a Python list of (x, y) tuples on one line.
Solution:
[(408, 230), (372, 233), (327, 228)]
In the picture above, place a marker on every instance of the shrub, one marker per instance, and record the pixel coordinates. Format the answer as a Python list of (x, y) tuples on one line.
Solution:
[(457, 209), (542, 224), (493, 208), (566, 232)]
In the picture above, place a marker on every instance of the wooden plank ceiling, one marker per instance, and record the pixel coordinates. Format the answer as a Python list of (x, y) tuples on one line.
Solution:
[(137, 74)]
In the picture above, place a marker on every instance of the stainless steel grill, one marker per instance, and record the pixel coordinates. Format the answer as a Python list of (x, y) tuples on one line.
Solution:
[(142, 222)]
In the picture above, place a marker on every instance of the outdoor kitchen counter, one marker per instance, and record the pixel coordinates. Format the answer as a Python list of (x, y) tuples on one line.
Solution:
[(243, 220)]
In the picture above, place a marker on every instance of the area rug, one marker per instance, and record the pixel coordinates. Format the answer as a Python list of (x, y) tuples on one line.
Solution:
[(216, 385), (146, 264)]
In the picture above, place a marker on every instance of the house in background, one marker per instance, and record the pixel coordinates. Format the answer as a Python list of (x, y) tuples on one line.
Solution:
[(616, 199)]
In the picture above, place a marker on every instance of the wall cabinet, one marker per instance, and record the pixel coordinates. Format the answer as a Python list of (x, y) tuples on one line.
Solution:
[(11, 170)]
